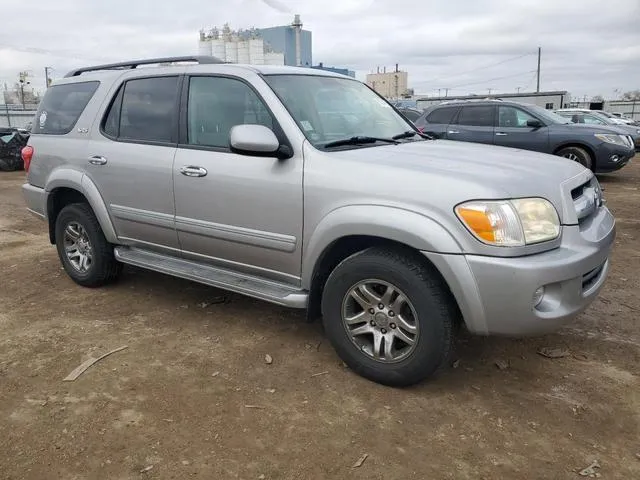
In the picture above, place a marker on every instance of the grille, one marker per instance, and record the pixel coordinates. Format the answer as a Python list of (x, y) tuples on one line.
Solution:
[(591, 277), (587, 198)]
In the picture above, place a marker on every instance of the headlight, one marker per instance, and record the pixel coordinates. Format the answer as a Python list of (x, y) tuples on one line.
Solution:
[(612, 138), (510, 223)]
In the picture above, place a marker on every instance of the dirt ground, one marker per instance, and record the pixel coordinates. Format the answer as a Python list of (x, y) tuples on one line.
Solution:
[(192, 395)]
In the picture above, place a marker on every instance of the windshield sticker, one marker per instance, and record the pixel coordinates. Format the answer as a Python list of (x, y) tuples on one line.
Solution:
[(43, 119), (306, 125)]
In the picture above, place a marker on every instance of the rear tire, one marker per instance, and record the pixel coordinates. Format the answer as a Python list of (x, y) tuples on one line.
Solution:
[(577, 154), (85, 254), (426, 320)]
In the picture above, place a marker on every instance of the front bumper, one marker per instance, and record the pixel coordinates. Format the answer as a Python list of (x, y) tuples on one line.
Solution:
[(610, 158), (495, 294)]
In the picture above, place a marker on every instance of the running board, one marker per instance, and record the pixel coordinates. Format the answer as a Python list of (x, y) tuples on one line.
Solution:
[(251, 286)]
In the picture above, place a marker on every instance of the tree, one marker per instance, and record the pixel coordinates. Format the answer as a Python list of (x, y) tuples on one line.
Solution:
[(631, 95), (597, 98)]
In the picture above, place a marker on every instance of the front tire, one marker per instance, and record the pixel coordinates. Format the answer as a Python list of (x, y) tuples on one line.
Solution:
[(85, 254), (577, 154), (389, 316)]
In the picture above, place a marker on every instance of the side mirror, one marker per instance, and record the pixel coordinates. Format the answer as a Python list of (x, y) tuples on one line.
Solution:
[(534, 123), (253, 139)]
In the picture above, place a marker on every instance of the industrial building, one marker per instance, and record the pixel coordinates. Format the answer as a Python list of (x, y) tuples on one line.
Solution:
[(283, 45), (389, 84), (548, 100), (341, 71)]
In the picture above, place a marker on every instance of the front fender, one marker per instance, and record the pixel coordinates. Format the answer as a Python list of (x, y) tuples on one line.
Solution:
[(392, 223), (76, 180)]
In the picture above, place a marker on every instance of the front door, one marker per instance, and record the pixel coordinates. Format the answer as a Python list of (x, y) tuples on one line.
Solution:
[(474, 123), (237, 211), (512, 130), (130, 160)]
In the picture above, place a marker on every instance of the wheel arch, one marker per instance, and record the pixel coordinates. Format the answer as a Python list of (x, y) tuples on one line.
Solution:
[(65, 188), (583, 146)]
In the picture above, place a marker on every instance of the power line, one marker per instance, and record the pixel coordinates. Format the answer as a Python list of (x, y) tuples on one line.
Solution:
[(478, 68), (491, 79)]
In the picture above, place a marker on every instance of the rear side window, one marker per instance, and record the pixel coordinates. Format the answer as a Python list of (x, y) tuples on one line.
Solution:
[(62, 106), (477, 116), (144, 109), (442, 115)]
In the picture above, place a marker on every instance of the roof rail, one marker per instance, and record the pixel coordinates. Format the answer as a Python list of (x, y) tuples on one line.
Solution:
[(201, 59)]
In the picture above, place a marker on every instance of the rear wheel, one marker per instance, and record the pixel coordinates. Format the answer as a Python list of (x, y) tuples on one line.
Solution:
[(85, 254), (577, 154), (388, 316)]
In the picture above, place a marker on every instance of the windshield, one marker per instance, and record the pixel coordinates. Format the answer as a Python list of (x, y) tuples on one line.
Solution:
[(328, 109), (548, 115)]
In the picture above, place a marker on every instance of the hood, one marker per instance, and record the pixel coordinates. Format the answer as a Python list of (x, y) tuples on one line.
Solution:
[(453, 172)]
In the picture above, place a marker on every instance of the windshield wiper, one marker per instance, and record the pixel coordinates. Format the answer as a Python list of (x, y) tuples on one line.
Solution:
[(359, 140), (409, 134)]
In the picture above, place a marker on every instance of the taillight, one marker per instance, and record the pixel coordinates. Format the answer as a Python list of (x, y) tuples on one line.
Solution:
[(27, 155)]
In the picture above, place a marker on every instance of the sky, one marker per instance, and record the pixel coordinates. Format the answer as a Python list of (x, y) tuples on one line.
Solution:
[(589, 47)]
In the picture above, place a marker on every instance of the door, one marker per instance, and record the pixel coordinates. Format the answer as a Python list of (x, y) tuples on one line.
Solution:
[(512, 130), (130, 159), (437, 121), (474, 123), (233, 210)]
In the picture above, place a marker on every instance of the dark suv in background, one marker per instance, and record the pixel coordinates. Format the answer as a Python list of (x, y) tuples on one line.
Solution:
[(529, 127)]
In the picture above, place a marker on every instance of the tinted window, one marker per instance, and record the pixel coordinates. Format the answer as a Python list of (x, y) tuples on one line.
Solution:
[(513, 117), (111, 125), (442, 115), (62, 106), (216, 104), (147, 111), (412, 115), (477, 116)]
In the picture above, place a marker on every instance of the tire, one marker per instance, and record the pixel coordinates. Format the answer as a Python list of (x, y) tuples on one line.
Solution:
[(429, 302), (577, 154), (78, 218)]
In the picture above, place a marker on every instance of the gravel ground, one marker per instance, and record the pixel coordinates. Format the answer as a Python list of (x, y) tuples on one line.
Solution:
[(192, 395)]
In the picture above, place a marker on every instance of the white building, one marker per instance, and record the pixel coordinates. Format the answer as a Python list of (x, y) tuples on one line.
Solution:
[(389, 84), (549, 100), (238, 46)]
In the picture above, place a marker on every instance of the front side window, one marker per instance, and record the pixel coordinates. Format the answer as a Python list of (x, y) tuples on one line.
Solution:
[(216, 104), (476, 116), (513, 117), (62, 106), (329, 108)]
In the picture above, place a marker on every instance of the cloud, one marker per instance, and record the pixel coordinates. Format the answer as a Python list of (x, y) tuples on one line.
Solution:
[(587, 47)]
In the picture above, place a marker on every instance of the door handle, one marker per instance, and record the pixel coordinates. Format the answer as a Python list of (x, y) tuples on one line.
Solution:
[(97, 160), (192, 171), (452, 132), (501, 134)]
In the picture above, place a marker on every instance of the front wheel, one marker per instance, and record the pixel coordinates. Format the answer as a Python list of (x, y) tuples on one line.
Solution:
[(389, 316), (577, 154), (85, 254)]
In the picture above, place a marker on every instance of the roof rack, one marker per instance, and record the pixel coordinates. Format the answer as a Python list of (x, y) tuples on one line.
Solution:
[(200, 59)]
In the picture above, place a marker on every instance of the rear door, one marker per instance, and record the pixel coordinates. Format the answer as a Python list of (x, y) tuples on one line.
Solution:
[(130, 160), (435, 123), (474, 123), (512, 130)]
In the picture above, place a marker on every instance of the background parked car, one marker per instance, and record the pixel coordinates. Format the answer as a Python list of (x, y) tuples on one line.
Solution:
[(410, 113), (602, 148), (619, 118), (11, 143), (595, 117)]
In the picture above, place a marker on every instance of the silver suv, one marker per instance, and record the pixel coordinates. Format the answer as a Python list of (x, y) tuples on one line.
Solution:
[(306, 189)]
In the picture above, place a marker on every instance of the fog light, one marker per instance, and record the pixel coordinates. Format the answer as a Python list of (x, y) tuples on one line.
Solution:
[(615, 158), (537, 296)]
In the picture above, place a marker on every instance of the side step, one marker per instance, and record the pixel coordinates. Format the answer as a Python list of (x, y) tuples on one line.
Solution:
[(251, 286)]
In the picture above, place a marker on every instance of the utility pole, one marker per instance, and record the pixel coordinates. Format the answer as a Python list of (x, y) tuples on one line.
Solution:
[(518, 89), (439, 92), (46, 76), (538, 75), (489, 91), (446, 92), (23, 76)]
